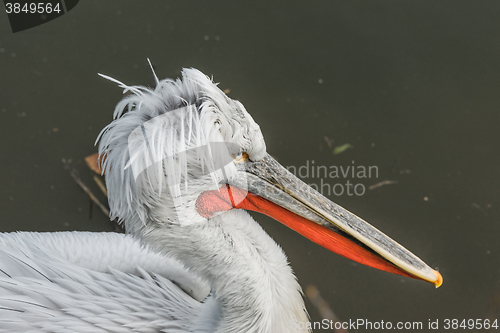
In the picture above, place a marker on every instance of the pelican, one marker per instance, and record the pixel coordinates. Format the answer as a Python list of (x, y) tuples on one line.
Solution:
[(183, 164)]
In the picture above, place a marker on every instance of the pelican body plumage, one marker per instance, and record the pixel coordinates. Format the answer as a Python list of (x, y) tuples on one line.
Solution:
[(183, 163)]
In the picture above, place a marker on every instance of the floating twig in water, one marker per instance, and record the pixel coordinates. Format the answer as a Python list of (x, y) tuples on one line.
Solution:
[(382, 183), (324, 309), (71, 171), (494, 307), (329, 142), (101, 185), (475, 205)]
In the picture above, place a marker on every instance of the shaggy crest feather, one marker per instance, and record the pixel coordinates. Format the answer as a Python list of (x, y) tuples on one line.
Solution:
[(163, 138)]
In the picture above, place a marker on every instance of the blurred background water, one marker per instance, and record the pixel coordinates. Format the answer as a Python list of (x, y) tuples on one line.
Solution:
[(413, 87)]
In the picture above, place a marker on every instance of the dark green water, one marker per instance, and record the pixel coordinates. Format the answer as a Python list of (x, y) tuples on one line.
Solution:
[(414, 87)]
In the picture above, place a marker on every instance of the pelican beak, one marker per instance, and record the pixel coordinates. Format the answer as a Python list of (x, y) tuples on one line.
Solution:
[(276, 192)]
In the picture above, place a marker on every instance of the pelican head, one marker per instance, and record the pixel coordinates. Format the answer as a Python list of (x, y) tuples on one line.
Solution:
[(182, 163)]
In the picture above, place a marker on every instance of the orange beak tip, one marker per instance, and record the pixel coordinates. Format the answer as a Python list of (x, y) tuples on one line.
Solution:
[(439, 279)]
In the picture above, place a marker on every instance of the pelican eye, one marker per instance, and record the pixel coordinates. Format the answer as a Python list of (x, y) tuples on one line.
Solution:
[(240, 157)]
